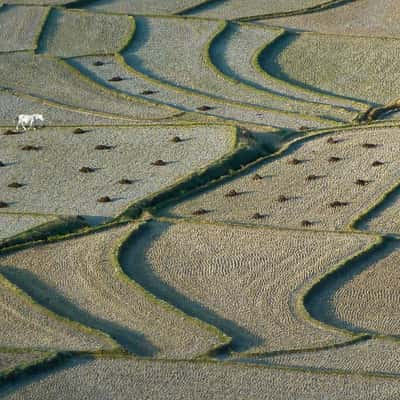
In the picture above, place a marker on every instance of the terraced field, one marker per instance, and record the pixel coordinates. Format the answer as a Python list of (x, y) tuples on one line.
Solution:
[(304, 182), (199, 199), (92, 165), (28, 20)]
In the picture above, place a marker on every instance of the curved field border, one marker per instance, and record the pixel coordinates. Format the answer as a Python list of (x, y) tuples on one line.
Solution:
[(78, 327), (336, 99), (222, 24), (264, 87), (224, 339), (212, 66), (124, 42), (100, 89), (320, 7)]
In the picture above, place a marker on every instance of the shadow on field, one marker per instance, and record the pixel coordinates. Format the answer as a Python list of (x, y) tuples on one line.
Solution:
[(134, 263), (269, 62), (320, 300), (50, 298)]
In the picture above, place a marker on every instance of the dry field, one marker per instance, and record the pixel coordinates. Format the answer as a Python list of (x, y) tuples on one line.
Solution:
[(135, 83), (12, 104), (77, 279), (154, 52), (232, 9), (53, 181), (20, 27), (210, 210), (75, 33), (142, 7), (26, 325), (128, 378), (349, 66), (375, 356), (54, 80), (365, 297), (12, 359), (305, 198), (361, 17), (246, 281)]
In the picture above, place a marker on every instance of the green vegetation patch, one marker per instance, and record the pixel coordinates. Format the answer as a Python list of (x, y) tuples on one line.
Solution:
[(356, 67), (75, 33)]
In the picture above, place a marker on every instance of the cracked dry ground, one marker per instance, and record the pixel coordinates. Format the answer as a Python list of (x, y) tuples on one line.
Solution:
[(211, 210)]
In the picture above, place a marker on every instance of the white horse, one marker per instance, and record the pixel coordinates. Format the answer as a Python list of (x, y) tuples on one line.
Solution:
[(25, 120)]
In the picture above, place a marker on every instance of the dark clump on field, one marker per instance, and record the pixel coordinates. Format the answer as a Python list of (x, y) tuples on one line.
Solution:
[(3, 204), (256, 177), (232, 193), (377, 163), (331, 140), (176, 139), (98, 63), (369, 145), (103, 147), (147, 92), (314, 177), (304, 128), (30, 148), (79, 131), (2, 164), (362, 182), (125, 182), (11, 132), (335, 204), (200, 211), (282, 198), (116, 79), (86, 170), (257, 216), (294, 161), (204, 108), (15, 185), (306, 223), (334, 159), (104, 199), (159, 163)]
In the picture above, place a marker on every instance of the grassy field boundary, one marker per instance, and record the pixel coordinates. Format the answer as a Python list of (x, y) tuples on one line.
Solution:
[(193, 92), (356, 223), (351, 105), (224, 340), (55, 226), (240, 154), (246, 168), (55, 104), (308, 10), (312, 288), (212, 66)]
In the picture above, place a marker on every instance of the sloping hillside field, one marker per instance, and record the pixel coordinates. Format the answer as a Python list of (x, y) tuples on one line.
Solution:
[(199, 199)]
